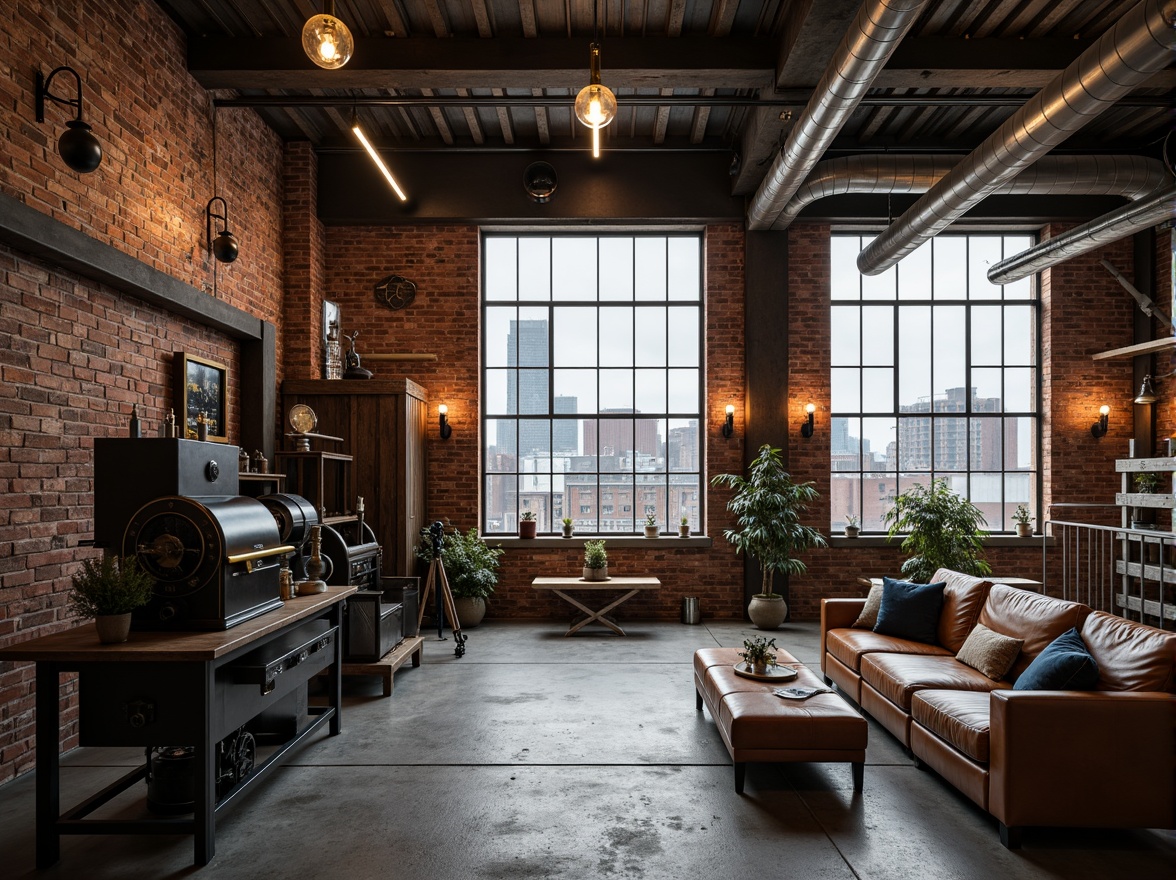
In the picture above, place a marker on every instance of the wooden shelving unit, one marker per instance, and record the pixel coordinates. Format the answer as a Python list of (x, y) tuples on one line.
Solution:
[(1142, 567), (386, 666)]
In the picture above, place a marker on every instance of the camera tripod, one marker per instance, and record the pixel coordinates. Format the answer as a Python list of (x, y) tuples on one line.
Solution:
[(445, 608)]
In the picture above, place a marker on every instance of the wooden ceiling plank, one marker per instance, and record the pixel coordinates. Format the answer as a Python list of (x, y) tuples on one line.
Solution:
[(700, 120), (439, 120), (393, 21), (877, 117), (527, 15), (437, 19), (661, 120), (541, 126), (482, 18), (724, 16), (994, 18), (1054, 13), (504, 123), (677, 14), (471, 118), (1021, 20)]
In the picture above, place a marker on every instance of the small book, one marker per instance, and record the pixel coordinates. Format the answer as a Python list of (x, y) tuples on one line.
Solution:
[(800, 693)]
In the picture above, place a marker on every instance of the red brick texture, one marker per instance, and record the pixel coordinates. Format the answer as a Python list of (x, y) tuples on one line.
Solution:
[(75, 355)]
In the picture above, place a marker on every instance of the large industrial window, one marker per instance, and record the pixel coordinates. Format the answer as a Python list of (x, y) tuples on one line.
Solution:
[(591, 381), (935, 375)]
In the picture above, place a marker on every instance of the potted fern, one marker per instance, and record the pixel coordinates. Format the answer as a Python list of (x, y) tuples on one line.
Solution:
[(768, 505), (943, 530), (471, 566), (108, 590), (595, 561)]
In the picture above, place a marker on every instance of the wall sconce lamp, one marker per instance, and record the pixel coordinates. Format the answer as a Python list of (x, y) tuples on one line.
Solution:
[(326, 40), (1147, 394), (1099, 428), (443, 415), (78, 147), (806, 430), (729, 422), (224, 245)]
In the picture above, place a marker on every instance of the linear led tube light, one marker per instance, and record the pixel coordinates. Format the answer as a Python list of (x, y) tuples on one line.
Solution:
[(376, 158)]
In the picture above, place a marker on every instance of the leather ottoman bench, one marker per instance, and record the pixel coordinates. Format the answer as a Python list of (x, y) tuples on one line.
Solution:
[(756, 725)]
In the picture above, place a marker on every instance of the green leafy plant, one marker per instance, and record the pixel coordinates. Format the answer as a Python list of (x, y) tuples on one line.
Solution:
[(470, 564), (651, 519), (567, 520), (1146, 484), (759, 651), (595, 556), (943, 530), (685, 521), (110, 586), (851, 520), (1021, 515), (526, 516), (767, 506)]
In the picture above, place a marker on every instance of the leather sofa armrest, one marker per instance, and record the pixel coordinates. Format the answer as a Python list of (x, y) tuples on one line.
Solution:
[(838, 614), (1083, 758)]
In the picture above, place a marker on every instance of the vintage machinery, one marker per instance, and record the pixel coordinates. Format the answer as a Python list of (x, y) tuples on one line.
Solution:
[(376, 621), (294, 516), (355, 556)]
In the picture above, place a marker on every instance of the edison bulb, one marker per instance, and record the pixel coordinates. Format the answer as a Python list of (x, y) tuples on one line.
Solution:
[(327, 41), (596, 105)]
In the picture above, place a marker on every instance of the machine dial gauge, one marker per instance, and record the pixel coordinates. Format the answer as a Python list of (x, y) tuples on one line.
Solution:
[(302, 418), (181, 552)]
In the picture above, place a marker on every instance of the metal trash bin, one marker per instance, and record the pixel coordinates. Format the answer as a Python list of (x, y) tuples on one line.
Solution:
[(691, 613)]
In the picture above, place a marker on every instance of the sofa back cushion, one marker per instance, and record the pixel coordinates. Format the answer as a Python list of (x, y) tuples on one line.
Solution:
[(1131, 656), (963, 597), (1036, 619)]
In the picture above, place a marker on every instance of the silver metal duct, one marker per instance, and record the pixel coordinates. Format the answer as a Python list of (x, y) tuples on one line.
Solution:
[(1139, 45), (1129, 176), (1088, 237), (875, 33)]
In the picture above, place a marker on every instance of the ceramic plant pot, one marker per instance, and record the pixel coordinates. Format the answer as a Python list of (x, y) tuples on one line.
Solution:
[(595, 574), (469, 611), (113, 628), (567, 531), (852, 531), (528, 528), (652, 531), (683, 531), (767, 613), (1024, 530)]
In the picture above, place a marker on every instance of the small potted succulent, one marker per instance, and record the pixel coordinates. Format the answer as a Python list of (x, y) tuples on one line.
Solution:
[(595, 561), (1024, 521), (108, 590), (1145, 484), (527, 525), (684, 527), (651, 527), (568, 526), (759, 653), (852, 530)]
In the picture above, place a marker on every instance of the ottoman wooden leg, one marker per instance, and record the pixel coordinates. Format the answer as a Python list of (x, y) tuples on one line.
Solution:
[(1010, 836), (697, 700), (740, 774), (859, 770)]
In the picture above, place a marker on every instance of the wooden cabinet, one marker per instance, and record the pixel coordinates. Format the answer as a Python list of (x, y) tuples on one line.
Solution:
[(383, 425)]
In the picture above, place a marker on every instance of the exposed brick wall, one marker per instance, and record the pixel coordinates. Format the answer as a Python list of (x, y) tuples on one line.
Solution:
[(303, 238), (75, 355)]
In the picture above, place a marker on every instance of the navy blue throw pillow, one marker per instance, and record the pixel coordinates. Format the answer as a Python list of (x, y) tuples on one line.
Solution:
[(910, 611), (1064, 665)]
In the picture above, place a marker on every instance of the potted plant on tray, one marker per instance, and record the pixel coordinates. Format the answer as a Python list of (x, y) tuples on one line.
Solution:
[(943, 530), (527, 525), (471, 567), (595, 561), (759, 652), (1024, 521), (767, 506), (568, 526), (108, 590)]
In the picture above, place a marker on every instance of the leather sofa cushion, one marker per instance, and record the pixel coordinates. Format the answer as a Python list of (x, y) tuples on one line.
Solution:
[(1130, 655), (898, 677), (963, 597), (1030, 616), (850, 645), (959, 718)]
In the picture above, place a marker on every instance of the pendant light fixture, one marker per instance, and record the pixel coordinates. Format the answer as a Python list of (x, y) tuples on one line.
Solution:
[(326, 40), (371, 151), (596, 105)]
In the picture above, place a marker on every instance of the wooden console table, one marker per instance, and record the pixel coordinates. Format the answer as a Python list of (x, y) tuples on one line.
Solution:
[(170, 688), (630, 585)]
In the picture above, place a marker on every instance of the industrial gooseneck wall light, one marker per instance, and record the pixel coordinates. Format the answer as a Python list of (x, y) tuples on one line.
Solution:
[(729, 421), (326, 40), (1099, 428), (224, 244), (78, 147), (443, 416), (806, 429)]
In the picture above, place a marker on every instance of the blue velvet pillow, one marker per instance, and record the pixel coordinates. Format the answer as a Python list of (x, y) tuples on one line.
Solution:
[(1064, 665), (910, 611)]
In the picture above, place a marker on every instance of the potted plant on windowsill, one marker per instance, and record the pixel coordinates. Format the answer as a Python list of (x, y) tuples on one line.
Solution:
[(595, 561), (568, 526), (527, 525), (1024, 521), (108, 590), (651, 527), (767, 506), (852, 529), (471, 567), (943, 530), (684, 527)]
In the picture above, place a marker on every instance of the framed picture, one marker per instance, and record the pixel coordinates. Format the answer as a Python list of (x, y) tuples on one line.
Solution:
[(201, 386), (331, 313)]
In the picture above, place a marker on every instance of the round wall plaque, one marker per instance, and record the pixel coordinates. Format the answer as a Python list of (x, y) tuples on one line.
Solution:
[(395, 292)]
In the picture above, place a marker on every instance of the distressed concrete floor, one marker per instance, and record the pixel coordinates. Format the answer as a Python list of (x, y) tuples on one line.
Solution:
[(539, 756)]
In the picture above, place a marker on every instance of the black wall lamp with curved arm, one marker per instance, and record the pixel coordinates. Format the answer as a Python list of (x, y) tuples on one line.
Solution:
[(77, 145)]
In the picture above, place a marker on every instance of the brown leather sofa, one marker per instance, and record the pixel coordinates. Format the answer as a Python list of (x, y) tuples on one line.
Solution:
[(1102, 758)]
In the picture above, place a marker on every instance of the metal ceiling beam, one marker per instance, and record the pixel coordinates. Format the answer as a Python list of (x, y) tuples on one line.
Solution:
[(426, 62)]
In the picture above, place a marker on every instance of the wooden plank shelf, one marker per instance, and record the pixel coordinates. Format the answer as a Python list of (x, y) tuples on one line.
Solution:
[(1150, 606), (1144, 465), (1155, 345), (1150, 571), (1150, 500), (386, 666)]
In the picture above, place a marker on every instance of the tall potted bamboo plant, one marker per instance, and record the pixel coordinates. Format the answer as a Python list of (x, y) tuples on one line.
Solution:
[(767, 505)]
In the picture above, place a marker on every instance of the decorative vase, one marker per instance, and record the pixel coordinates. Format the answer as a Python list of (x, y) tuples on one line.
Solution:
[(528, 528), (652, 531), (470, 611), (113, 628), (1024, 530), (567, 531), (852, 531), (767, 613), (596, 574)]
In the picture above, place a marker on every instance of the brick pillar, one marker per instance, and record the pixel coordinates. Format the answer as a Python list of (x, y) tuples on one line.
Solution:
[(302, 243)]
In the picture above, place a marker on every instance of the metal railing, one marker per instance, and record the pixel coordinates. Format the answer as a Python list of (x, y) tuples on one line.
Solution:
[(1126, 571)]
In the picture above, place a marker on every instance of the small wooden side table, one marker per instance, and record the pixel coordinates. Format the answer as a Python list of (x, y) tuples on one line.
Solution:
[(560, 586)]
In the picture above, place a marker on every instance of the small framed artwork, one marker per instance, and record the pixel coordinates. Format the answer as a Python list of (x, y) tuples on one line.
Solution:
[(331, 314), (201, 386)]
